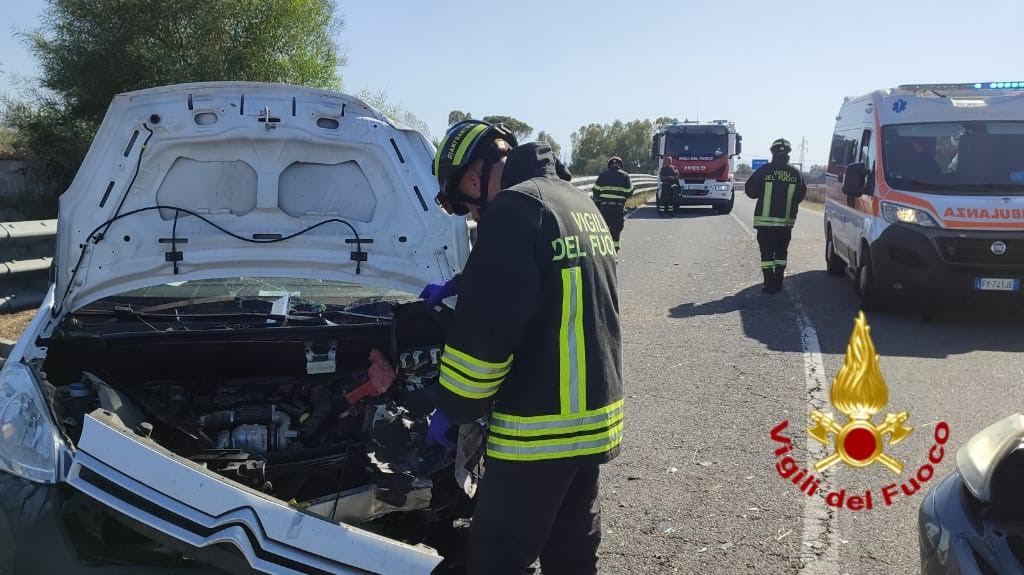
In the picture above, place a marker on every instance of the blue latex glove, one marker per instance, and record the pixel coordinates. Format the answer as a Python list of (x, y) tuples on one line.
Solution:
[(434, 293), (437, 430)]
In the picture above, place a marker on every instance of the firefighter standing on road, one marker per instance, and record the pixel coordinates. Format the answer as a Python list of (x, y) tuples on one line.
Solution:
[(534, 342), (669, 177), (778, 188), (611, 190)]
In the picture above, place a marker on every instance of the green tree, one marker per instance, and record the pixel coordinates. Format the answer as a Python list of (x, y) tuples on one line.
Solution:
[(664, 121), (394, 110), (90, 50), (521, 129), (456, 116), (556, 149), (815, 175), (593, 144)]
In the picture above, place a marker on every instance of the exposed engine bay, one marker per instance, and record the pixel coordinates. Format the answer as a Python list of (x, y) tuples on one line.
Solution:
[(329, 420)]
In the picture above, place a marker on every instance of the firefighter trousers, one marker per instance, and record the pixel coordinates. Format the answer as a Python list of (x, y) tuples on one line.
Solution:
[(614, 215), (666, 200), (546, 509), (774, 245)]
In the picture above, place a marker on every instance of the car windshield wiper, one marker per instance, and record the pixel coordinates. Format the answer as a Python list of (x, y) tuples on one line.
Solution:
[(989, 187), (126, 312), (337, 310), (920, 183)]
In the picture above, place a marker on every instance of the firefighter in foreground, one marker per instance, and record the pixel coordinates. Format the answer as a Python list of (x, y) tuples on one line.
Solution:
[(611, 190), (669, 177), (778, 188), (535, 344)]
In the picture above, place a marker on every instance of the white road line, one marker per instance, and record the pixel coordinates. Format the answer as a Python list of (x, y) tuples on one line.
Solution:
[(750, 231), (819, 551)]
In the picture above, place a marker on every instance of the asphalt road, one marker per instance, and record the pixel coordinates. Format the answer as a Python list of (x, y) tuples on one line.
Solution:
[(712, 365)]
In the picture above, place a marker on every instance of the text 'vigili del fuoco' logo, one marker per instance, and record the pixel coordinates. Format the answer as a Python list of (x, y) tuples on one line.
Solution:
[(858, 392)]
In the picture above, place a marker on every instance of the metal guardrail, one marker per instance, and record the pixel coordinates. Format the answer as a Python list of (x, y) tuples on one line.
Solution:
[(26, 252), (641, 182)]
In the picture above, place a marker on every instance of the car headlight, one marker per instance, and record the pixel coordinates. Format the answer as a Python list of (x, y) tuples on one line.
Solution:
[(978, 458), (894, 213), (29, 441), (722, 187)]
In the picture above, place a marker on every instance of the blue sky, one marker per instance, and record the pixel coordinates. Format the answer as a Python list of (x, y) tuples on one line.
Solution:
[(778, 69)]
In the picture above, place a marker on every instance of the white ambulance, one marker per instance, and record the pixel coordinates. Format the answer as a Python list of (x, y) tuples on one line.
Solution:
[(925, 191)]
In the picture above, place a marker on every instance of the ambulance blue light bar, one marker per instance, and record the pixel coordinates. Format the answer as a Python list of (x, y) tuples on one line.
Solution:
[(973, 86)]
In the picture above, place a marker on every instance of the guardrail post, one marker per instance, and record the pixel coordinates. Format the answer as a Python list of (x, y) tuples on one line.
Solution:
[(26, 253)]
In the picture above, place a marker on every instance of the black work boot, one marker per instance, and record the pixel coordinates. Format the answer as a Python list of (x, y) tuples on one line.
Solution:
[(780, 274), (769, 280)]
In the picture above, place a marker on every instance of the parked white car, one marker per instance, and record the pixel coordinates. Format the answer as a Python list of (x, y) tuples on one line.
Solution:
[(232, 371)]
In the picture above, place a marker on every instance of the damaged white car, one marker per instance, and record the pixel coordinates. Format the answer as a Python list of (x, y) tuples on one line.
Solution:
[(232, 372)]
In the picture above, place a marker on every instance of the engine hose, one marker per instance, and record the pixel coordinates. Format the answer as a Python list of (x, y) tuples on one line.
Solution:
[(323, 407)]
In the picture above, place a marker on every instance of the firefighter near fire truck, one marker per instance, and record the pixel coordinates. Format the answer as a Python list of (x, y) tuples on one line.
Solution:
[(778, 188), (611, 190), (704, 157), (535, 346), (669, 188)]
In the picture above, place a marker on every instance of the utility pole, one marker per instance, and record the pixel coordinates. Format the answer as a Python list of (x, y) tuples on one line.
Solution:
[(803, 153)]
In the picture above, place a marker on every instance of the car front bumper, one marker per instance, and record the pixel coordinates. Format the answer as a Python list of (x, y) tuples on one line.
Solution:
[(47, 529), (699, 195), (941, 261), (182, 504)]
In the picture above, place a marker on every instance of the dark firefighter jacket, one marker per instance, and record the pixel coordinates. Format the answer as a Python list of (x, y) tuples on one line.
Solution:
[(612, 186), (669, 175), (778, 188), (536, 328)]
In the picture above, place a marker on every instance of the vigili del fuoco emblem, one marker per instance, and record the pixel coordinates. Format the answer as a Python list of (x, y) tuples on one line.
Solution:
[(859, 392)]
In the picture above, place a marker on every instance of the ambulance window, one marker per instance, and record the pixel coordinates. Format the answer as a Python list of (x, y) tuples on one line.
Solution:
[(843, 153), (835, 154), (867, 155), (865, 148)]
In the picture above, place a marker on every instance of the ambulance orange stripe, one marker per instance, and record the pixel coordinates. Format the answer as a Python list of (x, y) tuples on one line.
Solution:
[(913, 200), (989, 225)]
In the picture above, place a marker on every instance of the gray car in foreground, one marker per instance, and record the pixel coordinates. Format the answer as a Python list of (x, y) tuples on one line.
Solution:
[(973, 522)]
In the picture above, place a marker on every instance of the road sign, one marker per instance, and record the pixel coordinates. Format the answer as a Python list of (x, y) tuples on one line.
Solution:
[(755, 164)]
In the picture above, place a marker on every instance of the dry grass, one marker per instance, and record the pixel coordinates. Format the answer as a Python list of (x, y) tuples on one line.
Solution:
[(11, 325), (7, 150), (638, 200), (812, 205)]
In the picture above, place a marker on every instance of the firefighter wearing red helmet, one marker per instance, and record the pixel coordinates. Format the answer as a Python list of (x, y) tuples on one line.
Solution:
[(611, 190), (535, 346), (778, 188)]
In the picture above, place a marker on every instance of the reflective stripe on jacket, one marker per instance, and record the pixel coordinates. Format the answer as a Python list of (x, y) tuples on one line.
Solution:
[(612, 186), (778, 188), (536, 331)]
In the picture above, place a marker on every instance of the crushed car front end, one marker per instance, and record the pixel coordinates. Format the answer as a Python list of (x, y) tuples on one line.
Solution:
[(231, 372)]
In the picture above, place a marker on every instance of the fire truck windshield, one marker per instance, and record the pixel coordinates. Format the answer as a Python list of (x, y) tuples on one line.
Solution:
[(980, 158), (696, 145)]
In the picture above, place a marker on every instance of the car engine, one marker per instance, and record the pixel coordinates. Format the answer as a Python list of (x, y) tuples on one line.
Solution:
[(345, 445)]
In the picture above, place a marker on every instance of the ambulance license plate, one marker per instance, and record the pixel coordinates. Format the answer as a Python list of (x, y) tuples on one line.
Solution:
[(997, 284)]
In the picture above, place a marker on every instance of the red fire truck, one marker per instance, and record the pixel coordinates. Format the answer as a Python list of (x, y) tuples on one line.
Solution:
[(705, 155)]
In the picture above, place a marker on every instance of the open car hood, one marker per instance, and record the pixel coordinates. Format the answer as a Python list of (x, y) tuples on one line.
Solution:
[(235, 179)]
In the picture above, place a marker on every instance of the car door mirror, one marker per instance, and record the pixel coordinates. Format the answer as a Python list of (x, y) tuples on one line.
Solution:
[(739, 144), (854, 181)]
